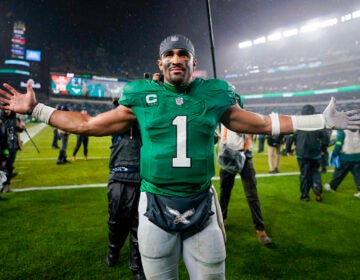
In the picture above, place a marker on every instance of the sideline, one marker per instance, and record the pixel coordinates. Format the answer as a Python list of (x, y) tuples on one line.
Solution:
[(102, 185), (32, 132), (37, 128)]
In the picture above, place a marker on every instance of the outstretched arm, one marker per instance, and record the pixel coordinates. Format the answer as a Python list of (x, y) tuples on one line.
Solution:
[(114, 121), (240, 120), (117, 120)]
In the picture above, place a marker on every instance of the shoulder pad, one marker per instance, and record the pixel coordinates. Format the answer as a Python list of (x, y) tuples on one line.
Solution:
[(137, 85), (218, 84)]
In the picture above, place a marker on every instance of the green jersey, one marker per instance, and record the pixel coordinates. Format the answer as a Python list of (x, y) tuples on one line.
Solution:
[(177, 131)]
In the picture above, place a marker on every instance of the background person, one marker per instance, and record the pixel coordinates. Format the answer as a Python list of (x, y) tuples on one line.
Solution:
[(64, 137), (261, 139), (274, 143), (347, 148), (56, 137), (242, 143), (325, 154), (13, 126), (177, 123), (308, 148), (81, 139), (158, 77), (123, 198), (3, 140)]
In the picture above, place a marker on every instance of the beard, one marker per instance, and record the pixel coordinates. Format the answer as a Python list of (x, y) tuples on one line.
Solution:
[(178, 74), (177, 79)]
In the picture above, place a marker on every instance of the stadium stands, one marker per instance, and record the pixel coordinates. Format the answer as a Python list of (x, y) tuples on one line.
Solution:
[(325, 61), (282, 75)]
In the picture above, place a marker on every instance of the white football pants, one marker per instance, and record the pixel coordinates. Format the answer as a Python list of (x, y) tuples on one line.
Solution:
[(203, 253)]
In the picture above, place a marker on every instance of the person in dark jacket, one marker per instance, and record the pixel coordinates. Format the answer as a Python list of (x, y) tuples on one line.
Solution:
[(123, 198), (81, 139), (56, 136), (3, 141), (325, 154), (308, 147), (13, 126), (64, 136)]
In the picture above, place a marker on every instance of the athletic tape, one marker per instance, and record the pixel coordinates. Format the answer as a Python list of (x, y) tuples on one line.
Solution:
[(275, 123), (308, 122), (43, 113)]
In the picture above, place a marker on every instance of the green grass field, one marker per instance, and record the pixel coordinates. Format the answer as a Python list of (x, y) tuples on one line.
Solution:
[(62, 233)]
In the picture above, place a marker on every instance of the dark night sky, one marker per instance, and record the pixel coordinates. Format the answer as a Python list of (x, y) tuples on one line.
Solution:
[(134, 29)]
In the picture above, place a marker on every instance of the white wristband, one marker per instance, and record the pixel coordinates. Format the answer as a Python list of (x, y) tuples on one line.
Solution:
[(275, 123), (43, 113), (308, 122)]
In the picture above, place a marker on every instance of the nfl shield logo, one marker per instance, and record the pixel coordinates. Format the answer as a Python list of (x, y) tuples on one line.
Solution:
[(174, 38), (179, 101)]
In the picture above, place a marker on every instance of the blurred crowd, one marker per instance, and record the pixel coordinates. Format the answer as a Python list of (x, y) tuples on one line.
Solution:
[(10, 143)]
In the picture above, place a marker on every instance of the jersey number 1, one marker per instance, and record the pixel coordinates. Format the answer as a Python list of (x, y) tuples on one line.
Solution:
[(181, 143)]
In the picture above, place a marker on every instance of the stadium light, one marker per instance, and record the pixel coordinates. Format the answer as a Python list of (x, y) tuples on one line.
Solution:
[(328, 22), (346, 17), (356, 14), (310, 27), (260, 40), (290, 32), (245, 44), (275, 36)]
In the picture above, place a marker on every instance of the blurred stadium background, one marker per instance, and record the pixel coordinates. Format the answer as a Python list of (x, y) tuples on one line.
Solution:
[(307, 62)]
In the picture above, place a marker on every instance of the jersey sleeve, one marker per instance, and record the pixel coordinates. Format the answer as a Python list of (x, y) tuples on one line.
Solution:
[(221, 95), (133, 92)]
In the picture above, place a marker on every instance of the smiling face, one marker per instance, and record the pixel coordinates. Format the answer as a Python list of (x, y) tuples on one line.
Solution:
[(177, 66)]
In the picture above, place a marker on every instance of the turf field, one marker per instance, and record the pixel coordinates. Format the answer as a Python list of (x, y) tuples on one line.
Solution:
[(52, 232)]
